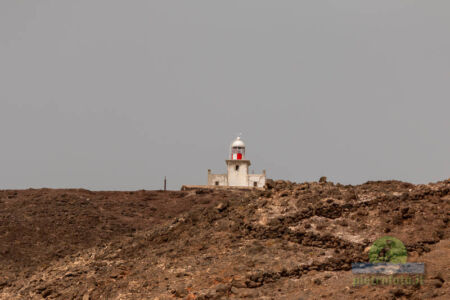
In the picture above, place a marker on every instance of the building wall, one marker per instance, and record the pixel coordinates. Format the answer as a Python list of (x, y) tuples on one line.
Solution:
[(260, 180), (221, 179), (238, 178), (237, 172)]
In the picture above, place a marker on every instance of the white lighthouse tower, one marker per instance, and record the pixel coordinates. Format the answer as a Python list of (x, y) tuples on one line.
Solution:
[(237, 170), (237, 165)]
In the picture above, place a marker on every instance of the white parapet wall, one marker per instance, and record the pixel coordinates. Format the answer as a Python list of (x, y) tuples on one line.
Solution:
[(237, 179), (217, 179), (257, 180)]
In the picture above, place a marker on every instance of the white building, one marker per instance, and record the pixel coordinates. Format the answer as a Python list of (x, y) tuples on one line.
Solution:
[(237, 170)]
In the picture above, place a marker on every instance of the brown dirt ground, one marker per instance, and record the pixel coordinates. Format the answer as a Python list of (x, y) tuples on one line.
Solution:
[(292, 241)]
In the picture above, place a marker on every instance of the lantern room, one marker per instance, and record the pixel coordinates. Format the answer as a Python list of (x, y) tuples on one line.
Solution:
[(237, 149)]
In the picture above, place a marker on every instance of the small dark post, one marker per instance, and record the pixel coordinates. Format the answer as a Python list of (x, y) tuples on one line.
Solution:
[(165, 183)]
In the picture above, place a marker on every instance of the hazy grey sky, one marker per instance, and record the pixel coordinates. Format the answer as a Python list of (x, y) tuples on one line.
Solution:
[(117, 94)]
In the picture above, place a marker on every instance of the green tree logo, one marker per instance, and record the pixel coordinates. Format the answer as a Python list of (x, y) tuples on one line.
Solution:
[(388, 250)]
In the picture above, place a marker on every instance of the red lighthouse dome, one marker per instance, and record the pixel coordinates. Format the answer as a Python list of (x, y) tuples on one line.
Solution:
[(237, 149)]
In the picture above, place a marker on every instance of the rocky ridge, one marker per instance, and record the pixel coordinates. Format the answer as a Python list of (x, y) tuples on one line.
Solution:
[(291, 241)]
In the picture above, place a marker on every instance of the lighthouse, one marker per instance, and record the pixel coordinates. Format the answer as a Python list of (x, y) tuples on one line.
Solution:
[(237, 170)]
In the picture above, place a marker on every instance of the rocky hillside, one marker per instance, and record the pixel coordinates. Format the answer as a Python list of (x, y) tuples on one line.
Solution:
[(291, 241)]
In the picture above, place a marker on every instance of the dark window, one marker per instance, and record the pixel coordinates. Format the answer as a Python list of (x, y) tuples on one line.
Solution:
[(217, 183), (237, 168), (255, 183)]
